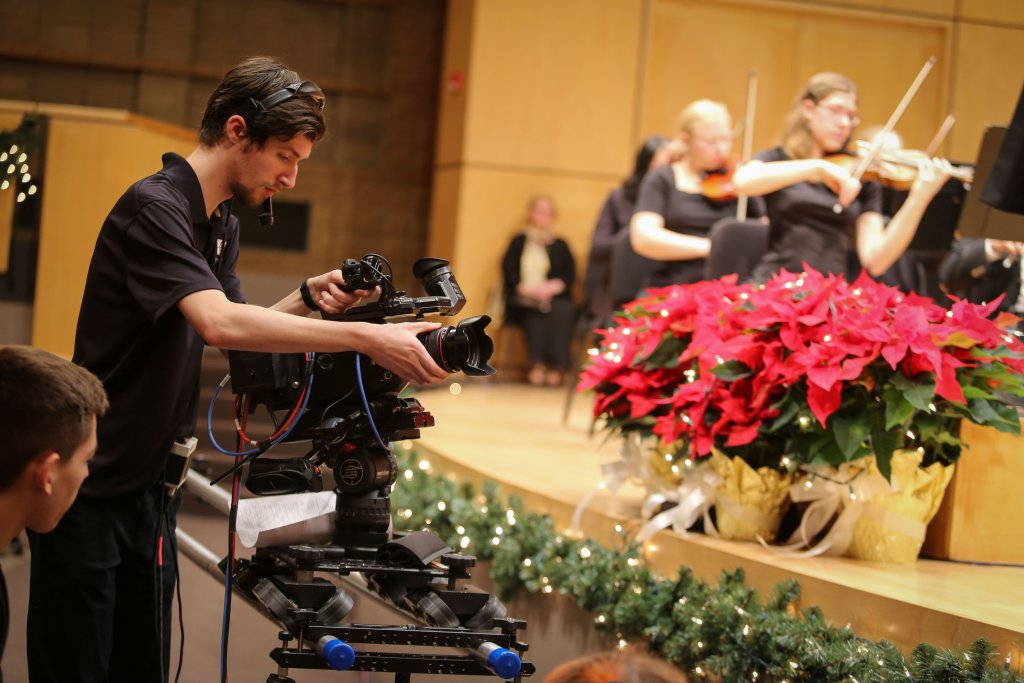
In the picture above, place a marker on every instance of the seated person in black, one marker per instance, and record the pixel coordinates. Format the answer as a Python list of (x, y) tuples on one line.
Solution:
[(802, 190), (48, 411), (980, 270), (673, 216), (615, 215), (538, 271)]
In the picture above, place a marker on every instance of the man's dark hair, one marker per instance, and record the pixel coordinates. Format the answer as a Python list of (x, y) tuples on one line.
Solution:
[(257, 78), (46, 404)]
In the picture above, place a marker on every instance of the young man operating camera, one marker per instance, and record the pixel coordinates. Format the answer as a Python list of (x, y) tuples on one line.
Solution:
[(48, 411), (161, 285)]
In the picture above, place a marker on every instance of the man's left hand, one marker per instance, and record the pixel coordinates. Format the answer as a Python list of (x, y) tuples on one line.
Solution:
[(328, 295)]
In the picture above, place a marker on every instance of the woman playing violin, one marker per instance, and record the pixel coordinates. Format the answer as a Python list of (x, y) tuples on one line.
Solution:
[(673, 210), (802, 190)]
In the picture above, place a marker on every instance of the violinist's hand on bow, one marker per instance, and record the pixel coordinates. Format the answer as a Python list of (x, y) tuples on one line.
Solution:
[(932, 174), (839, 180)]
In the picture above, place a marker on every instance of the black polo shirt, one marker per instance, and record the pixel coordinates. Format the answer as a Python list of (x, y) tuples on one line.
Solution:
[(156, 246)]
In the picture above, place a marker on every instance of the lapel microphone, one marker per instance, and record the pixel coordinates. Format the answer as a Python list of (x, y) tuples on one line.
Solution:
[(267, 217)]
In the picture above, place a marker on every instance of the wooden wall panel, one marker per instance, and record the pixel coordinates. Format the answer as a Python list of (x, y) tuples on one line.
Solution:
[(88, 166), (1010, 12), (551, 84), (691, 56), (987, 83)]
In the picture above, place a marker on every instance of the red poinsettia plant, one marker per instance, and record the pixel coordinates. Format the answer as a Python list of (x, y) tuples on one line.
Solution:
[(806, 366)]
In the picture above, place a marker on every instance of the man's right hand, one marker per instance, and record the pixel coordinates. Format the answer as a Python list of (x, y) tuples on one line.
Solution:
[(396, 347)]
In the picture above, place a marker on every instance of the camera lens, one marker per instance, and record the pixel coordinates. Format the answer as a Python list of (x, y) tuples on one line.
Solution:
[(465, 347)]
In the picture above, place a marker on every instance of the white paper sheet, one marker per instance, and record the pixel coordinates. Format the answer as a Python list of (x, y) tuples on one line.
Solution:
[(282, 520)]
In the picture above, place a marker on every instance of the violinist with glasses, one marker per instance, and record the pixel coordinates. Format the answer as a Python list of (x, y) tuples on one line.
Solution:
[(817, 208), (678, 203)]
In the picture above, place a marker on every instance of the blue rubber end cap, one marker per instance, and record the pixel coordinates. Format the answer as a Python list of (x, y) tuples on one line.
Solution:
[(504, 663), (339, 655)]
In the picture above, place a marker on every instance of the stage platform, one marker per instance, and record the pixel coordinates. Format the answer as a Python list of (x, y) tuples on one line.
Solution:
[(514, 435)]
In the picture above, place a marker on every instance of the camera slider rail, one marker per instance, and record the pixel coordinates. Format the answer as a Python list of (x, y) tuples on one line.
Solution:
[(480, 661)]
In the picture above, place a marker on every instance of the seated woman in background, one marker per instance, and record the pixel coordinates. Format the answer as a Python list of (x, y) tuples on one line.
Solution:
[(802, 189), (673, 215), (538, 272), (615, 215)]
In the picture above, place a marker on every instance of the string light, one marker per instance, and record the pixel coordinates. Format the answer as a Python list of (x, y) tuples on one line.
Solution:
[(584, 552), (527, 562), (424, 465), (441, 505)]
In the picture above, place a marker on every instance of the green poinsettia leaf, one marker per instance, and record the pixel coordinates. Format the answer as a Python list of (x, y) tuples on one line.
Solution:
[(982, 412), (999, 376), (731, 370), (822, 449), (884, 463), (850, 433), (665, 354), (971, 391), (995, 414), (897, 408), (788, 409), (997, 352), (919, 391)]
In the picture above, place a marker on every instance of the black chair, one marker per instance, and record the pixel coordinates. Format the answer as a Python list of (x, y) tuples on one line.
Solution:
[(629, 271), (736, 247)]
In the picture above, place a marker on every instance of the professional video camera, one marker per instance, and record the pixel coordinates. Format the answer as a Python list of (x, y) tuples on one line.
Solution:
[(349, 409)]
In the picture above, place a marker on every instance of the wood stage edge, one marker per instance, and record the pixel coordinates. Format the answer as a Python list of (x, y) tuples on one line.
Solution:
[(514, 435)]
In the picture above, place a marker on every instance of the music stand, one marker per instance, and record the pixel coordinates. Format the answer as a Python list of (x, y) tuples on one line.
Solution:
[(978, 219)]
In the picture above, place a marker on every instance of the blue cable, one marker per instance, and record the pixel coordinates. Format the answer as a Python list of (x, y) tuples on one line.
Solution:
[(209, 419), (366, 404)]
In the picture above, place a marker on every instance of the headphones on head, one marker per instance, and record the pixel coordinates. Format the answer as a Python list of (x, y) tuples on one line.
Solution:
[(252, 107)]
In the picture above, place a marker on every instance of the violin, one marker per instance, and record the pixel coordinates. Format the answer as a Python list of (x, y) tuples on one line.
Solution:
[(717, 185), (896, 169)]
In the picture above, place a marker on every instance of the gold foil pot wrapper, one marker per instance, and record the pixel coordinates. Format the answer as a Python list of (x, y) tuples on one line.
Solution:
[(749, 503), (892, 524)]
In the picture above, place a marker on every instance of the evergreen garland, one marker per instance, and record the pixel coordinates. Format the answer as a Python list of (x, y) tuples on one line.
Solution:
[(723, 631)]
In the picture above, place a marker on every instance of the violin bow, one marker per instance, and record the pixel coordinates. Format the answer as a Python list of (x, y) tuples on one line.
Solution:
[(933, 146), (748, 136), (876, 147)]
